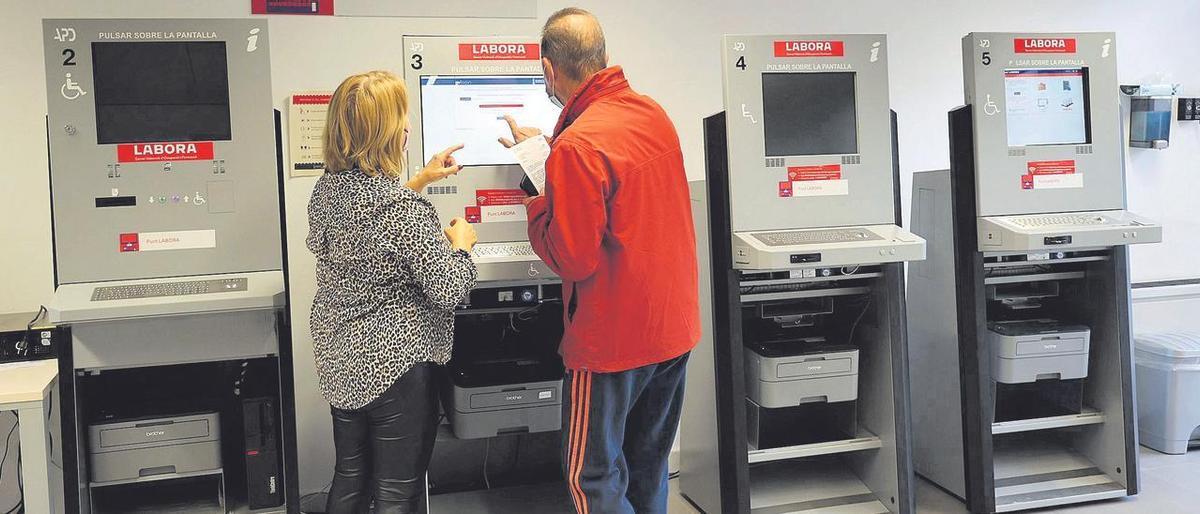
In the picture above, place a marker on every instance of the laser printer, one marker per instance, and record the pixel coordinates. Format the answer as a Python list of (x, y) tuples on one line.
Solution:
[(487, 398), (131, 449), (790, 371), (1026, 351)]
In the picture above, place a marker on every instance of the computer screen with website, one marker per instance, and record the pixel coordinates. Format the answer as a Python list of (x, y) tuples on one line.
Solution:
[(1047, 106), (470, 110)]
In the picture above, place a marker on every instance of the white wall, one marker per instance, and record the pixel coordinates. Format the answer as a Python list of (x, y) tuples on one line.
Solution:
[(670, 50)]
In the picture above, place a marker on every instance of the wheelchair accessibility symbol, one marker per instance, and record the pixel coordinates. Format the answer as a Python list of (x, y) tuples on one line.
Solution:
[(71, 90), (990, 108)]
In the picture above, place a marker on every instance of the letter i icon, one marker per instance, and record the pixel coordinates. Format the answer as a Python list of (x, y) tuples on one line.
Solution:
[(252, 41)]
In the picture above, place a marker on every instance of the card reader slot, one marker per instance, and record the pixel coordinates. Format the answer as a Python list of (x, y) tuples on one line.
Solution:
[(115, 201)]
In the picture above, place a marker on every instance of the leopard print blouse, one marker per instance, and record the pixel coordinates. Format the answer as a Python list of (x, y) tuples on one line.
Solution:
[(387, 284)]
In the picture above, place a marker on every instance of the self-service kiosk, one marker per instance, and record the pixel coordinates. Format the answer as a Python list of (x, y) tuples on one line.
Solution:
[(169, 266), (499, 449), (798, 395), (1020, 327)]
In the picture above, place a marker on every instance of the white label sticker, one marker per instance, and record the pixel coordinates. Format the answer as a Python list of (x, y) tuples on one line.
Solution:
[(499, 213), (1064, 181), (179, 240), (545, 395), (838, 187)]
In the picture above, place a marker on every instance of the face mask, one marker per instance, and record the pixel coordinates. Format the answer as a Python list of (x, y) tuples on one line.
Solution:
[(550, 93), (553, 99), (404, 145)]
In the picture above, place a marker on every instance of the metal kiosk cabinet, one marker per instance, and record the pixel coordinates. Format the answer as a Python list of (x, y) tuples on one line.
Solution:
[(1021, 323), (798, 395), (169, 263), (499, 448)]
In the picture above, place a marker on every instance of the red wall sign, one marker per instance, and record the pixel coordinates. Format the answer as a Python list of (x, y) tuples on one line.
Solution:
[(499, 52), (150, 152), (311, 99), (810, 48), (1044, 45), (310, 7)]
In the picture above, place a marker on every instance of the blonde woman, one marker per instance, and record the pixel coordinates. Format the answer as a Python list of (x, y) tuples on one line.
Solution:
[(388, 279)]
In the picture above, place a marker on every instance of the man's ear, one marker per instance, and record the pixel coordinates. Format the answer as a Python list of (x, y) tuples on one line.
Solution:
[(548, 71)]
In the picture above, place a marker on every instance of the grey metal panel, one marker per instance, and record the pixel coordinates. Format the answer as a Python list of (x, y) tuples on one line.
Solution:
[(429, 56), (754, 193), (439, 9), (86, 237), (894, 244), (877, 394), (999, 171), (933, 338), (174, 339), (439, 56), (1001, 234), (72, 303), (1112, 445), (699, 466)]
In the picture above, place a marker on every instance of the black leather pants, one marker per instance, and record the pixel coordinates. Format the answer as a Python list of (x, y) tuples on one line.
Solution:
[(383, 449)]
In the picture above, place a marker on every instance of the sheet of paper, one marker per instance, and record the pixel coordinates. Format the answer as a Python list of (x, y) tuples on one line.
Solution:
[(306, 123), (532, 154)]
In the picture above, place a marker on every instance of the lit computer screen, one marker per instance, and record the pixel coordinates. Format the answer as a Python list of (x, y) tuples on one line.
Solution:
[(470, 110), (150, 92), (809, 114), (1047, 106)]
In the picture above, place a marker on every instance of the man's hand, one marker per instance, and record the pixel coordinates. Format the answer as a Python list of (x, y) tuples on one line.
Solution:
[(520, 134)]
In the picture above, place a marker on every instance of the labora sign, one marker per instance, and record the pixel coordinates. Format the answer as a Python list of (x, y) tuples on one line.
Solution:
[(147, 152), (499, 52), (810, 49), (1043, 45)]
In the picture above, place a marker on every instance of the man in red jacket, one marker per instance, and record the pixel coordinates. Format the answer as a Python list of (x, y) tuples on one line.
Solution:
[(615, 223)]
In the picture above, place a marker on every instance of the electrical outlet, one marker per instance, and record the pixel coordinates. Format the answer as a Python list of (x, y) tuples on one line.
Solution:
[(1189, 109)]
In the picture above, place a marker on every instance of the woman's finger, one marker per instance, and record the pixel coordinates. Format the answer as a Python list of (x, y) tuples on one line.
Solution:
[(447, 152)]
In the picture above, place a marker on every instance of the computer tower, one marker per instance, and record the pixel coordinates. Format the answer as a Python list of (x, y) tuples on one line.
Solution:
[(264, 480)]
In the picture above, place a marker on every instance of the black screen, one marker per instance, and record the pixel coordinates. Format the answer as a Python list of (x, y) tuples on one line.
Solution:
[(809, 114), (153, 92)]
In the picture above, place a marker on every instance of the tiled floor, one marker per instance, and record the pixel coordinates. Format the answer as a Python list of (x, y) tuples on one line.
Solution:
[(1170, 485)]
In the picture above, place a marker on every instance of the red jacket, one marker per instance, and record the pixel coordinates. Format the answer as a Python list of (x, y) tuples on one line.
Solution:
[(615, 223)]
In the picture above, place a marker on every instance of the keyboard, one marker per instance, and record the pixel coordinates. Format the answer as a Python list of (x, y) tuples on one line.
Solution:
[(183, 288), (1059, 220), (805, 237), (504, 251)]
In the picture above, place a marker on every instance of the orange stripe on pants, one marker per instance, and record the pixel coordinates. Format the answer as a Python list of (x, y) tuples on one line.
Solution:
[(579, 443), (572, 438)]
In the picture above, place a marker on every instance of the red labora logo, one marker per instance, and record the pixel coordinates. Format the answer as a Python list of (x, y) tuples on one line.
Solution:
[(148, 152), (810, 48), (1044, 45), (499, 52)]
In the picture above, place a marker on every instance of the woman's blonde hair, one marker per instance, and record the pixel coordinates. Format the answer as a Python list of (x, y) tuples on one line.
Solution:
[(364, 127)]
